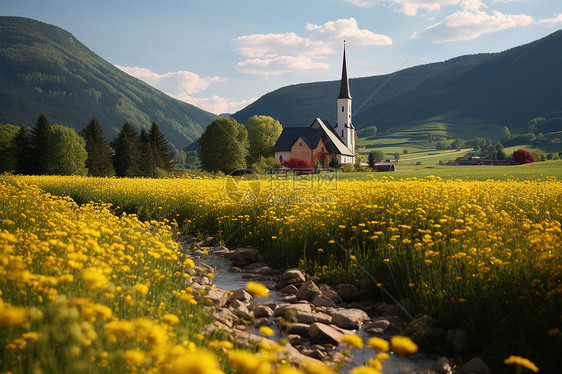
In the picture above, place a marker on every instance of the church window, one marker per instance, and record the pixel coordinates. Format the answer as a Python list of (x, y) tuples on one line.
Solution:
[(322, 149), (281, 158), (342, 108), (300, 144), (342, 133)]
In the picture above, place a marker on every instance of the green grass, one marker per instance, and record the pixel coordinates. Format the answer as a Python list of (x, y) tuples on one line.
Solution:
[(536, 170)]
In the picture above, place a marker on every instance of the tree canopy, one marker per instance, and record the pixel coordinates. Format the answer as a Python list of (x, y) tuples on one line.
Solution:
[(7, 159), (39, 138), (127, 156), (66, 152), (263, 132), (223, 146)]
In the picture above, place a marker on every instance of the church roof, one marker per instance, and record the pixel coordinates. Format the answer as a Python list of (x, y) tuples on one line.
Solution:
[(344, 88), (312, 135)]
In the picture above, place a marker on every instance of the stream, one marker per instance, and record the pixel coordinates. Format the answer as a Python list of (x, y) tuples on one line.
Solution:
[(231, 281)]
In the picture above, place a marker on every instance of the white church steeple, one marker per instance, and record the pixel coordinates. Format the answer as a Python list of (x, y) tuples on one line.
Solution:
[(344, 127)]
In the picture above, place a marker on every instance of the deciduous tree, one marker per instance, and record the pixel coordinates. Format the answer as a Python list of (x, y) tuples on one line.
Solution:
[(523, 157), (7, 151), (263, 132), (66, 152)]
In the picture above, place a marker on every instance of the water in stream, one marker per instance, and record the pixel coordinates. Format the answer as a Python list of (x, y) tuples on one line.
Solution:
[(231, 281)]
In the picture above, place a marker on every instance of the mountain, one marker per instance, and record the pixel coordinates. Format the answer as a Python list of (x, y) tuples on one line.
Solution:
[(507, 88), (46, 69)]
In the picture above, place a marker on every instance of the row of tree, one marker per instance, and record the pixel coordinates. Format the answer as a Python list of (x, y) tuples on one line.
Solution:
[(58, 149), (227, 145)]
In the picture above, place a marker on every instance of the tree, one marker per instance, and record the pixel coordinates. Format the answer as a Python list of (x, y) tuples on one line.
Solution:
[(7, 156), (99, 162), (23, 151), (457, 144), (505, 134), (396, 156), (39, 139), (161, 147), (368, 131), (66, 152), (378, 156), (148, 158), (522, 156), (405, 151), (126, 159), (263, 132), (439, 146), (223, 146), (334, 163), (371, 160)]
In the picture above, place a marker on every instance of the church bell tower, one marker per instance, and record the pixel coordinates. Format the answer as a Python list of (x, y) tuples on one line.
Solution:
[(344, 128)]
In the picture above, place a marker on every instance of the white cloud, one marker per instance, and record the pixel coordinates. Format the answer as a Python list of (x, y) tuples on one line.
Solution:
[(275, 54), (219, 105), (177, 84), (408, 7), (553, 20), (182, 85), (471, 22)]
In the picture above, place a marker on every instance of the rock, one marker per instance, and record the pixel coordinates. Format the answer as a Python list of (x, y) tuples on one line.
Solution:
[(332, 295), (342, 331), (299, 329), (457, 338), (265, 270), (235, 269), (423, 328), (294, 339), (382, 324), (244, 256), (295, 356), (241, 295), (442, 365), (255, 265), (476, 366), (348, 292), (289, 290), (249, 276), (349, 318), (263, 311), (321, 333), (374, 331), (292, 276), (240, 309), (321, 300), (315, 353), (283, 308), (308, 291), (264, 321), (217, 296), (220, 250), (224, 316), (306, 317)]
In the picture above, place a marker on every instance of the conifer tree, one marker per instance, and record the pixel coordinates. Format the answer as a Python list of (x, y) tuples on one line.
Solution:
[(23, 151), (39, 139), (99, 161), (148, 160), (127, 152), (161, 146)]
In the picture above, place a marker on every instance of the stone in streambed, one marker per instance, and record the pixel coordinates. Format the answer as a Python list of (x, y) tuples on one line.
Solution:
[(321, 333), (349, 318), (308, 291)]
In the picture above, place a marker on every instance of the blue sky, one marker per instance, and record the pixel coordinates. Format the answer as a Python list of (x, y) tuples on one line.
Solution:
[(223, 54)]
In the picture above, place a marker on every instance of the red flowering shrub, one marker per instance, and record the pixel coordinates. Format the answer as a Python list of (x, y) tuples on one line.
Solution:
[(523, 157), (297, 163)]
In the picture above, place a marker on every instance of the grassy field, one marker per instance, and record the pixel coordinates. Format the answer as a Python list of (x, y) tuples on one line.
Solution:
[(534, 171), (484, 255), (414, 138)]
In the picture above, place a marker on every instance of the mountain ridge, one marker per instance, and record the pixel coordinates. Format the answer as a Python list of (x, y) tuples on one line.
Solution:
[(44, 68), (503, 88)]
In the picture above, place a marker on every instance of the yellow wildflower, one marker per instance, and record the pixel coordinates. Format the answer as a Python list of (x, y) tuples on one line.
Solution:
[(521, 362), (403, 345), (257, 289)]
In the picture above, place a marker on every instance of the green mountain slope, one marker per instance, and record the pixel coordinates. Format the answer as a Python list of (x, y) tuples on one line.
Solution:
[(46, 69), (488, 90)]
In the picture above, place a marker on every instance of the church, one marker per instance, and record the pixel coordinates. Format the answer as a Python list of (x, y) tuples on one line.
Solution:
[(320, 141)]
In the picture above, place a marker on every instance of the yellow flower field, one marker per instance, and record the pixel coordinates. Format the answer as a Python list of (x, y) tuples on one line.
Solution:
[(484, 255)]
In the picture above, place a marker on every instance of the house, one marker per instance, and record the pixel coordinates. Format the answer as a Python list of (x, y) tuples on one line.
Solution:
[(320, 141)]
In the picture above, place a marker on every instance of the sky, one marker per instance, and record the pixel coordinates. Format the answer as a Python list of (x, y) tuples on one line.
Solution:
[(221, 55)]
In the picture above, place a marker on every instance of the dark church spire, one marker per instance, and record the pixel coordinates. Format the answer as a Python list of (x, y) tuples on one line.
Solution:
[(344, 90)]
